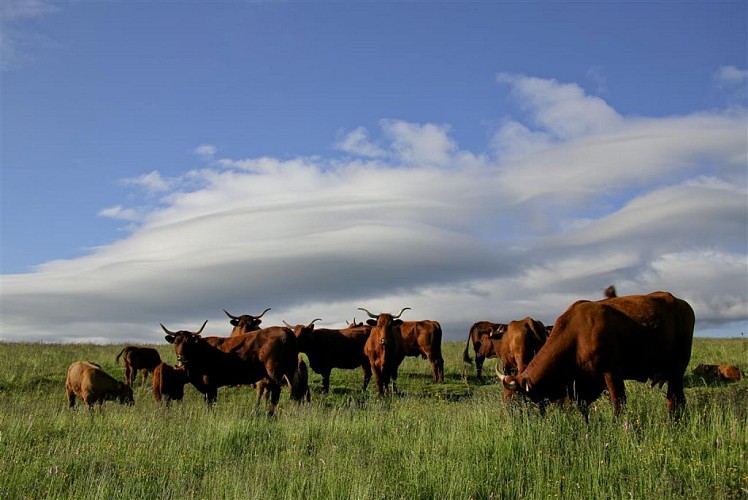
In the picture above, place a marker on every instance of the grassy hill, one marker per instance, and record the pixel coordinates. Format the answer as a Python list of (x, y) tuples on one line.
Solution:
[(452, 440)]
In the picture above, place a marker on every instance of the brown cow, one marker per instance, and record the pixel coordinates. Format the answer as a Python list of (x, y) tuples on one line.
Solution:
[(598, 345), (424, 338), (328, 348), (238, 360), (482, 346), (145, 359), (168, 382), (610, 292), (517, 345), (724, 373), (89, 382), (299, 386), (245, 323), (385, 348)]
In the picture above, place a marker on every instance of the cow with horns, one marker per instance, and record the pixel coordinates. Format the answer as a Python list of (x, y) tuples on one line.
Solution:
[(479, 336), (245, 323), (598, 345), (215, 362), (385, 348), (329, 348)]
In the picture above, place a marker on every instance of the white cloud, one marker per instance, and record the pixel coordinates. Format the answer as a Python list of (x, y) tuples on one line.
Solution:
[(415, 144), (151, 182), (564, 110), (728, 76), (118, 212), (579, 198), (18, 43), (357, 142), (206, 151)]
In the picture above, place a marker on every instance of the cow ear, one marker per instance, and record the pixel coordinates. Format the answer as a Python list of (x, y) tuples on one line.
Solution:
[(234, 322), (397, 322), (170, 339), (371, 322)]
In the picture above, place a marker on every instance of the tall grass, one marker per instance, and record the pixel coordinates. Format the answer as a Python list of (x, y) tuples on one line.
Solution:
[(452, 440)]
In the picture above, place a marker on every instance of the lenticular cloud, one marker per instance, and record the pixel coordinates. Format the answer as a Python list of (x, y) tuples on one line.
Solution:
[(567, 199)]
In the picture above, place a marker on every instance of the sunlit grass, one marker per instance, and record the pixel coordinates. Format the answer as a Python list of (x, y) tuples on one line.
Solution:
[(453, 440)]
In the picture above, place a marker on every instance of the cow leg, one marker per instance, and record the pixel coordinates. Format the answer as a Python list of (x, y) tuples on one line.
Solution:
[(617, 392), (275, 391), (440, 367), (326, 382), (367, 376), (71, 397), (479, 366), (144, 373), (128, 374), (676, 398), (211, 394)]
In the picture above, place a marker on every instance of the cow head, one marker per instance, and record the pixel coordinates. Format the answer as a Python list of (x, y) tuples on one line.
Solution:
[(185, 343), (497, 331), (353, 324), (124, 394), (245, 323), (384, 322), (303, 333)]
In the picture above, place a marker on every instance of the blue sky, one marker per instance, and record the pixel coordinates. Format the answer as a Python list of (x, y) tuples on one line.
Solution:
[(161, 161)]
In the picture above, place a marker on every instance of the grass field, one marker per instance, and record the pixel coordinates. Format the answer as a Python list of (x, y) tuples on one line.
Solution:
[(452, 440)]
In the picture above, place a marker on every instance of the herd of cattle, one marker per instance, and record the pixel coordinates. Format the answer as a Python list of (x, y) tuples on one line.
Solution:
[(592, 347)]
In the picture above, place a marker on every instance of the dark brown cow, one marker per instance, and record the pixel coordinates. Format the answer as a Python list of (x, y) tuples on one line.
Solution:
[(238, 360), (517, 345), (245, 323), (598, 345), (329, 348), (145, 359), (724, 373), (89, 382), (299, 386), (385, 348), (424, 338), (168, 382), (482, 346)]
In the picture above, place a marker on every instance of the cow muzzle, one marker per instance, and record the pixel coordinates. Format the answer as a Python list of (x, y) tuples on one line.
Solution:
[(181, 360)]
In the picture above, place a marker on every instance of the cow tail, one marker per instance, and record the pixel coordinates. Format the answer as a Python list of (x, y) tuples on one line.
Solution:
[(465, 353), (120, 354)]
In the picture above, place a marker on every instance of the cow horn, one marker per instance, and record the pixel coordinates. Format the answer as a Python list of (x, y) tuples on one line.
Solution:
[(367, 312), (230, 315), (312, 322), (401, 312), (262, 313), (289, 326), (201, 328), (166, 330), (498, 373)]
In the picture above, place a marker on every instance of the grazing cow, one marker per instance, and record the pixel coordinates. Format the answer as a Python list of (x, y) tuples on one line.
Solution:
[(241, 359), (610, 292), (328, 348), (424, 338), (145, 359), (598, 345), (385, 348), (724, 373), (518, 344), (168, 382), (482, 346), (299, 386), (245, 323), (91, 384)]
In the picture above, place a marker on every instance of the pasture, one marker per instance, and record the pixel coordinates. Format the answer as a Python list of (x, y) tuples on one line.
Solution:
[(452, 440)]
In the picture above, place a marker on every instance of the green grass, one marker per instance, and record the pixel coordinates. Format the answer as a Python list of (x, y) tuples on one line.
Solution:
[(452, 440)]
